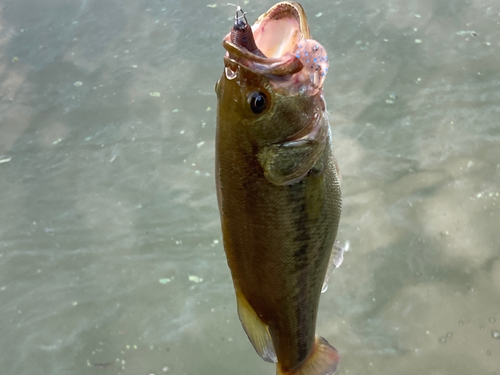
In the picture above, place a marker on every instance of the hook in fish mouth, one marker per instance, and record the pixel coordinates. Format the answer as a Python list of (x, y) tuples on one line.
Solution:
[(240, 14), (279, 44)]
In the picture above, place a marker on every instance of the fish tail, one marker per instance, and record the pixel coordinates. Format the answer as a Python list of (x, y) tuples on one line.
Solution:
[(323, 360)]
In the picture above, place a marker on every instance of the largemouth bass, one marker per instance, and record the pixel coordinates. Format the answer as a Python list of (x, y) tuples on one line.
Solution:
[(278, 186)]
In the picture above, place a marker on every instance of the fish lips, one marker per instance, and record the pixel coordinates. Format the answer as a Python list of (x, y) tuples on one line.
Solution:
[(294, 63)]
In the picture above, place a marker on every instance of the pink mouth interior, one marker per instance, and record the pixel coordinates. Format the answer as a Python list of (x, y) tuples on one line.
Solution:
[(276, 38), (280, 34)]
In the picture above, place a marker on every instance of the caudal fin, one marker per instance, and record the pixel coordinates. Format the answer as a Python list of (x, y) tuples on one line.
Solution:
[(322, 361)]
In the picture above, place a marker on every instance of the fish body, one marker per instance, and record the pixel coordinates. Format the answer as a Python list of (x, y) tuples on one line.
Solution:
[(278, 188)]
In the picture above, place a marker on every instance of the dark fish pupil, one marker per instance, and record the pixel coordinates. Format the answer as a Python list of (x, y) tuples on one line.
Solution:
[(258, 102)]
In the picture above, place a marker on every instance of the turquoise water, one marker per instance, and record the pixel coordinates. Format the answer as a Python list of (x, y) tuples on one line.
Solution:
[(110, 246)]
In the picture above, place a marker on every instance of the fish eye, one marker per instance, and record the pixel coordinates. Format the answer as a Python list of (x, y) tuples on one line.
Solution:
[(258, 101)]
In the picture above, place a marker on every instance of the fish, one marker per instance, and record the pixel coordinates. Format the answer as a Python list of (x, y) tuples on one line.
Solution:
[(278, 185)]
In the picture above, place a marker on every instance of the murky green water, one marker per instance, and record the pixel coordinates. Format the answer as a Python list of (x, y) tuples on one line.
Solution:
[(110, 251)]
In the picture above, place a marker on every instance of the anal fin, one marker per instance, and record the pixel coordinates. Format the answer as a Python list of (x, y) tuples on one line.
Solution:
[(256, 330), (323, 360)]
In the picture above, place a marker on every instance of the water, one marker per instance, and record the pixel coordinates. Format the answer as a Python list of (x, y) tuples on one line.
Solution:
[(110, 246)]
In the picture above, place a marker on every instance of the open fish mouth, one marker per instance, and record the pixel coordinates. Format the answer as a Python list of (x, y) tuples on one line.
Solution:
[(279, 44), (278, 31)]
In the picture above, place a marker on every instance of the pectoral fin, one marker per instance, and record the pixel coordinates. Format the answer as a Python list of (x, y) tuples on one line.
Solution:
[(289, 162), (256, 330)]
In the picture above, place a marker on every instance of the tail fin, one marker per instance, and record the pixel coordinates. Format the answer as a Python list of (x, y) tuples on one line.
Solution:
[(323, 360)]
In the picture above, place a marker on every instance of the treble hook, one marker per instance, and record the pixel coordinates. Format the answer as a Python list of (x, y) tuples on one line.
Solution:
[(241, 32), (240, 19)]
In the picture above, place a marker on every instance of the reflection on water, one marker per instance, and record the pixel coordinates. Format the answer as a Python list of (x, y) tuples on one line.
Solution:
[(110, 252)]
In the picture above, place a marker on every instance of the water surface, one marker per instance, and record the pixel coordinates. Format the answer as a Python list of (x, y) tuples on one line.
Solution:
[(110, 246)]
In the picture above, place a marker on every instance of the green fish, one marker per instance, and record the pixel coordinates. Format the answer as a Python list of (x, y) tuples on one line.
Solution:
[(278, 185)]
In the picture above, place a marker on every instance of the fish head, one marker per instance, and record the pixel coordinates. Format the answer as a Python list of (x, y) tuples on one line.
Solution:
[(277, 95)]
